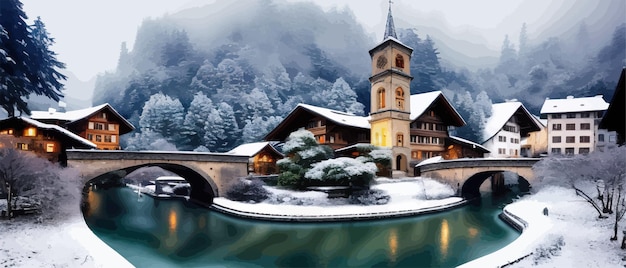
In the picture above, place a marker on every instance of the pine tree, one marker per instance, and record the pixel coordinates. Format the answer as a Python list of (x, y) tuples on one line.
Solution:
[(27, 65), (196, 119), (232, 132), (164, 116), (213, 131), (523, 41)]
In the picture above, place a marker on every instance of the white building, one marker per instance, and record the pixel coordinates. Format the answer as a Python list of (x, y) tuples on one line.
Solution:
[(573, 123), (504, 130)]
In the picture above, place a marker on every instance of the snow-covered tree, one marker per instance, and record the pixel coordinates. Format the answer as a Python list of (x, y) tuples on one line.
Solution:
[(196, 119), (256, 128), (302, 151), (150, 141), (163, 115), (256, 104), (213, 132), (27, 65), (343, 171), (340, 96)]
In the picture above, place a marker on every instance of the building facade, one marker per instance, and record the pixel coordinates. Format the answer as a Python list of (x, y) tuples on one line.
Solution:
[(573, 123), (508, 124)]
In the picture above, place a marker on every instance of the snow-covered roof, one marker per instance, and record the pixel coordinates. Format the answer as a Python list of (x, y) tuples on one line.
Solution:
[(59, 129), (421, 102), (431, 160), (339, 117), (500, 114), (468, 142), (72, 116), (250, 149), (572, 105)]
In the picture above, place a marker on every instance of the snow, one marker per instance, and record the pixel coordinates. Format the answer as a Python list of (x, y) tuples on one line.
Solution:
[(341, 118), (421, 102), (75, 115), (406, 198), (570, 105), (69, 243), (430, 161), (351, 167), (59, 129), (461, 140), (249, 149)]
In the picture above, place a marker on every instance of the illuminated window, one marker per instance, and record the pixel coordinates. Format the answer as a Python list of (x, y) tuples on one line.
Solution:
[(381, 98), (7, 132), (22, 146), (400, 98), (50, 147), (30, 132), (399, 61)]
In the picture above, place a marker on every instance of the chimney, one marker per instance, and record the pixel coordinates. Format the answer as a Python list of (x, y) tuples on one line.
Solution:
[(570, 97)]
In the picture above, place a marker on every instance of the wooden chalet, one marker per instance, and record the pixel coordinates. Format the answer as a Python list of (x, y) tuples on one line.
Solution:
[(330, 127), (262, 157), (45, 140), (101, 124)]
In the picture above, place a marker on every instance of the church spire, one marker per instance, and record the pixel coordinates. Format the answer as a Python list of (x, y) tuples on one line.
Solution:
[(390, 29)]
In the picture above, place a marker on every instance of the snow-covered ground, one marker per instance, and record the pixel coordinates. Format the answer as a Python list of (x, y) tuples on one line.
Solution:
[(570, 236)]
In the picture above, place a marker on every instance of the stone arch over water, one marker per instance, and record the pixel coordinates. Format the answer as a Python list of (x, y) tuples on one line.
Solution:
[(471, 187), (203, 187)]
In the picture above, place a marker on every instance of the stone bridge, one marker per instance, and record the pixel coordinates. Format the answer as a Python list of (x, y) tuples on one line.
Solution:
[(470, 173), (207, 173)]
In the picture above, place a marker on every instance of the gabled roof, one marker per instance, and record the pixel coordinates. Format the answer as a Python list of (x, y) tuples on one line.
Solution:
[(252, 149), (502, 112), (71, 136), (459, 140), (71, 117), (572, 105), (421, 102)]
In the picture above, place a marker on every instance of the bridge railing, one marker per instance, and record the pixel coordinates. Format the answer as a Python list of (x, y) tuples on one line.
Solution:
[(476, 162), (77, 154)]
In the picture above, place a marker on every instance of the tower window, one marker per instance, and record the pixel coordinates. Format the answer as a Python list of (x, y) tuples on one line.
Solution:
[(400, 139), (400, 98), (399, 61), (381, 98)]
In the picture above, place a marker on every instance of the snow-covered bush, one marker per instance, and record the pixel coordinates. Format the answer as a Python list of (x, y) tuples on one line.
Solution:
[(433, 189), (247, 190), (370, 197), (302, 151), (381, 156), (343, 171), (548, 249)]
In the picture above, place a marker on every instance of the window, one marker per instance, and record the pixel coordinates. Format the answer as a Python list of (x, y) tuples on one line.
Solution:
[(510, 129), (422, 139), (585, 126), (556, 150), (570, 139), (431, 113), (7, 131), (556, 139), (107, 138), (555, 116), (413, 139), (30, 132), (601, 137), (556, 127), (103, 115), (569, 150), (611, 138), (98, 138), (22, 146), (584, 139), (400, 139), (113, 138), (570, 126), (585, 115), (414, 154), (111, 127), (439, 127), (331, 138), (381, 98), (583, 150), (400, 98), (98, 126), (90, 125), (501, 138), (399, 61), (436, 140), (50, 147), (501, 151), (571, 115), (311, 124), (90, 137)]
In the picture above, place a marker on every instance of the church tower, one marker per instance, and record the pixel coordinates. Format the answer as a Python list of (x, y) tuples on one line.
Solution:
[(390, 97)]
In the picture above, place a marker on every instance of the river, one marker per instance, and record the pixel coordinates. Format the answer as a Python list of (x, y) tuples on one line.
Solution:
[(175, 233)]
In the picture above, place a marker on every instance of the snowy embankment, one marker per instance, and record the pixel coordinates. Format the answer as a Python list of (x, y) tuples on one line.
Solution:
[(408, 197), (67, 243)]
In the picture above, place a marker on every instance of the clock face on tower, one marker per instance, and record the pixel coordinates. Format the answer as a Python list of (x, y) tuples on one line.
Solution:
[(381, 62)]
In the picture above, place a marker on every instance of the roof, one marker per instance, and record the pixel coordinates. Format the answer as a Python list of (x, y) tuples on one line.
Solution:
[(341, 118), (355, 147), (572, 105), (390, 29), (502, 112), (251, 149), (56, 128), (421, 102), (613, 119), (78, 115), (468, 142)]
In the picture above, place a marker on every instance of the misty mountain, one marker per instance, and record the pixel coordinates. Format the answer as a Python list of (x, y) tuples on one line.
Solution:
[(245, 65)]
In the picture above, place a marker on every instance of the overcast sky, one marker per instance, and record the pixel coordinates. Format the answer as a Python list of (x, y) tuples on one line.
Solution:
[(102, 25)]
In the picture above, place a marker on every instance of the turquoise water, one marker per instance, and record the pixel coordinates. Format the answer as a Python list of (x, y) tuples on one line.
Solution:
[(175, 233)]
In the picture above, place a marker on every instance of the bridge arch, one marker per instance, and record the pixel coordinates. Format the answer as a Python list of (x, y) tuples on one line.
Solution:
[(471, 187), (203, 187)]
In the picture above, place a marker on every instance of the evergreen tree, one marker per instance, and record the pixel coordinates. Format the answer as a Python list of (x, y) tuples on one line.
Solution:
[(340, 96), (163, 115), (28, 66), (196, 119), (256, 128), (523, 41), (213, 131), (222, 132)]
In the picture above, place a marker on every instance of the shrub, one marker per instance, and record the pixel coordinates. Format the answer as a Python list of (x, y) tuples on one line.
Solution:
[(548, 249), (247, 190), (343, 171), (370, 197)]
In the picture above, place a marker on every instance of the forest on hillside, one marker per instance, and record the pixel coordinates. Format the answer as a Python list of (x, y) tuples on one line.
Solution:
[(210, 83)]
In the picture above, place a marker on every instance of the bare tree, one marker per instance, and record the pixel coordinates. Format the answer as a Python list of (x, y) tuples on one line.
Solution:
[(620, 210)]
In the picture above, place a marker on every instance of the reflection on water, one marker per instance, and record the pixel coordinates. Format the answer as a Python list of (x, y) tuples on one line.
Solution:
[(444, 238), (174, 233)]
